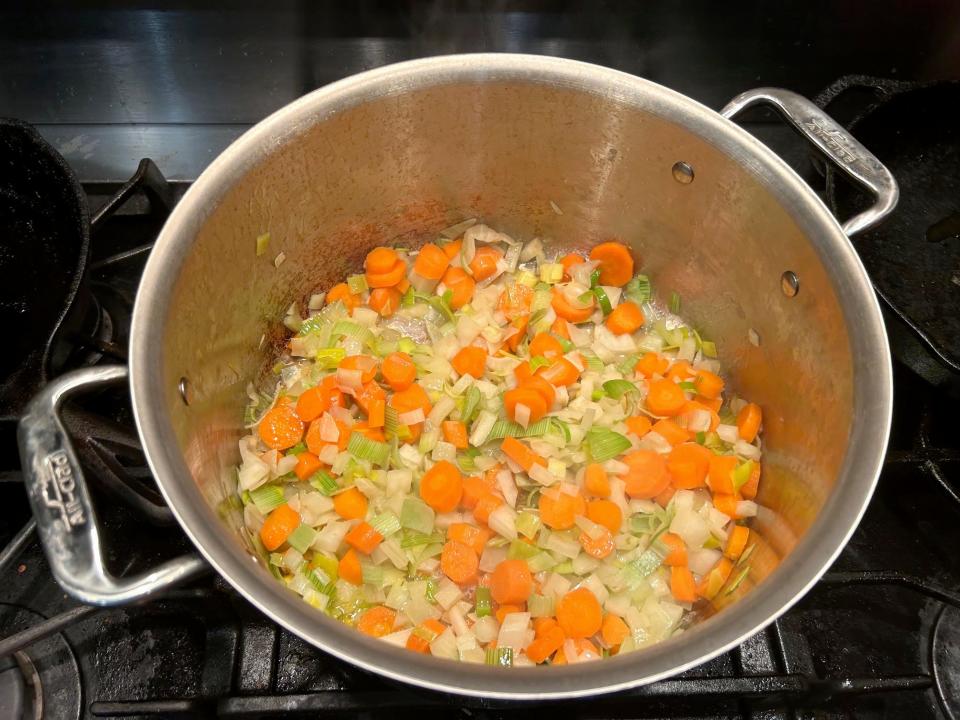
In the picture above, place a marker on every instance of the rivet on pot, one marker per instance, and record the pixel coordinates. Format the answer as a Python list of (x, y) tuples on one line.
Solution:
[(682, 173), (789, 283), (183, 387)]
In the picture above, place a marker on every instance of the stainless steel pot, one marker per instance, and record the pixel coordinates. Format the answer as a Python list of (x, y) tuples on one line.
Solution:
[(535, 146)]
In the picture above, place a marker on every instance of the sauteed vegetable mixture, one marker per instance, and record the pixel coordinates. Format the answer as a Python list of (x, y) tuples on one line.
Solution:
[(484, 452)]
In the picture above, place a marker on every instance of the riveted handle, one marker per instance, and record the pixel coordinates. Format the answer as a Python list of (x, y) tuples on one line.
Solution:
[(835, 143), (66, 522)]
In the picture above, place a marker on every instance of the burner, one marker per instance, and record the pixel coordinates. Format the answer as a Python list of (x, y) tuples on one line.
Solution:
[(946, 660), (42, 681)]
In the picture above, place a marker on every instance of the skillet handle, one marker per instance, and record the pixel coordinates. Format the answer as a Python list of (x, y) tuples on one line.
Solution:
[(66, 522), (835, 143)]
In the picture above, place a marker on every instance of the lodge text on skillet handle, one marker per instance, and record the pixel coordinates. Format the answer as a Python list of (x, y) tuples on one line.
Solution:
[(66, 522), (835, 143)]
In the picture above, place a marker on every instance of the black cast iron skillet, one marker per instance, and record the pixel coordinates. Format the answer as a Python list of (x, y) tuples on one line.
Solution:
[(44, 241)]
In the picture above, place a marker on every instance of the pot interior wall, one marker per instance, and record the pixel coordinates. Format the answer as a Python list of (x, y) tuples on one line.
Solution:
[(532, 160)]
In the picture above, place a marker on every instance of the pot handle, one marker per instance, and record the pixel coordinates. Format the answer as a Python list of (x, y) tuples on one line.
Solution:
[(835, 143), (66, 522)]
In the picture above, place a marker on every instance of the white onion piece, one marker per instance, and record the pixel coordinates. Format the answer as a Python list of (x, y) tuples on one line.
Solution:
[(486, 629), (349, 379), (747, 508), (412, 417), (613, 294), (702, 561), (688, 349), (581, 272), (580, 336), (328, 455), (542, 475), (521, 413), (491, 557), (342, 414), (503, 521), (691, 527), (656, 442), (482, 427), (329, 432), (728, 433), (531, 250), (508, 487), (750, 452), (286, 464), (699, 421), (331, 536), (513, 631)]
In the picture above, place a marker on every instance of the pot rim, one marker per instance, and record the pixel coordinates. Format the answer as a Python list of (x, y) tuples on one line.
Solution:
[(799, 571)]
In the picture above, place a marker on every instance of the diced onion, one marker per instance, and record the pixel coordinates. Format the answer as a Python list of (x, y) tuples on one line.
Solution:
[(728, 433), (513, 631), (508, 487), (750, 452), (329, 432), (486, 629), (702, 561), (412, 417), (521, 413), (746, 508), (503, 521), (492, 556), (349, 379)]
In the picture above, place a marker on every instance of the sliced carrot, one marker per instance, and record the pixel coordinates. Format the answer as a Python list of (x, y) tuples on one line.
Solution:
[(441, 487), (665, 397), (737, 541), (561, 373), (452, 248), (429, 628), (616, 263), (459, 562), (720, 477), (384, 300), (545, 345), (409, 399), (664, 497), (748, 421), (388, 278), (671, 432), (486, 504), (484, 263), (711, 583), (713, 404), (542, 625), (679, 371), (315, 401), (558, 510), (431, 262), (677, 550), (377, 621), (281, 428), (567, 310), (596, 481), (597, 547), (691, 406), (688, 464), (307, 465), (372, 399), (474, 488), (522, 372), (461, 285), (521, 454), (639, 425), (511, 582), (505, 610), (278, 525), (568, 261), (541, 386), (366, 364), (470, 535), (341, 292), (727, 504), (528, 397), (471, 360), (455, 433), (579, 614), (349, 568), (682, 585), (519, 324), (627, 317), (364, 538), (381, 260), (351, 504), (546, 644), (606, 513), (515, 298), (614, 630), (647, 474), (651, 364), (316, 444), (398, 370), (749, 489), (709, 384)]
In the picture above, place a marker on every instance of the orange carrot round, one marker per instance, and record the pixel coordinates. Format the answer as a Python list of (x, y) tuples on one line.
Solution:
[(596, 481), (546, 644), (461, 285), (679, 371), (341, 292), (431, 262), (388, 278), (515, 299), (647, 474), (567, 310), (398, 370), (281, 428), (562, 372), (652, 364), (545, 345), (737, 541), (670, 431), (627, 317), (579, 614), (349, 568), (606, 513), (484, 263), (377, 621), (459, 562), (558, 509), (455, 433), (721, 473), (665, 397), (688, 464), (442, 486), (511, 582), (541, 386), (470, 535), (524, 396), (616, 263), (486, 504), (614, 630), (278, 525), (307, 465), (748, 421), (568, 261), (380, 260), (709, 384), (384, 300), (677, 549), (639, 425), (471, 360), (597, 547), (682, 585), (363, 537), (452, 248), (351, 504)]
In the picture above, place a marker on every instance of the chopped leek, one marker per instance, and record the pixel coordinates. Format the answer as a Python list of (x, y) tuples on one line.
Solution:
[(357, 284), (741, 474), (386, 523), (627, 365), (372, 574), (565, 344), (301, 538), (296, 449), (538, 362), (324, 482), (412, 539), (528, 524), (618, 388), (483, 607), (263, 242), (708, 348), (415, 514), (471, 403), (603, 444), (520, 550), (737, 580), (363, 448), (688, 385), (675, 302), (348, 328), (267, 497), (541, 605), (639, 290), (329, 358), (603, 300)]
